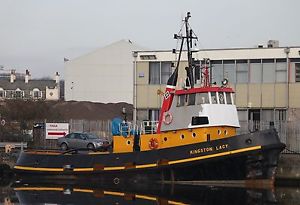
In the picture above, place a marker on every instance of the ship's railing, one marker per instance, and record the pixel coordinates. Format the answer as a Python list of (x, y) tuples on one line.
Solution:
[(149, 127), (126, 129), (145, 127)]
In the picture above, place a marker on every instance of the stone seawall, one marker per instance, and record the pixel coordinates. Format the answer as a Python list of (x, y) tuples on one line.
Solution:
[(288, 171)]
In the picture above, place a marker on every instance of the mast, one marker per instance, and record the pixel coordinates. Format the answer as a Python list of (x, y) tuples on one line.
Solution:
[(172, 81), (189, 44), (188, 37)]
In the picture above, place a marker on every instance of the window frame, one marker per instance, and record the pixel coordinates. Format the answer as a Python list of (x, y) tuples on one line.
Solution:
[(160, 72)]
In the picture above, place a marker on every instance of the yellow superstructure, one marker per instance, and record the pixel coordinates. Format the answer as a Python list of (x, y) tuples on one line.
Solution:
[(173, 138)]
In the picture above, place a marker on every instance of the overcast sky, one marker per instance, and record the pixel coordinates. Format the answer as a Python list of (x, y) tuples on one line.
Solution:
[(38, 34)]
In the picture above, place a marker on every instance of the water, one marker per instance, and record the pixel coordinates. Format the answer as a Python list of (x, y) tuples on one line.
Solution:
[(14, 192)]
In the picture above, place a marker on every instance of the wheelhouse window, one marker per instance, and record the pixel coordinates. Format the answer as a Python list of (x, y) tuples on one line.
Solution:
[(181, 100), (202, 98), (228, 98), (191, 99), (214, 99), (221, 97)]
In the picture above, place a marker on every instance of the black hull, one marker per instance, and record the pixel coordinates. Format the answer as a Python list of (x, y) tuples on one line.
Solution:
[(247, 157), (167, 195)]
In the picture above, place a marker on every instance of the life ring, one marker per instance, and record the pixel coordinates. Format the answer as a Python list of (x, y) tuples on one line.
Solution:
[(153, 143), (167, 118)]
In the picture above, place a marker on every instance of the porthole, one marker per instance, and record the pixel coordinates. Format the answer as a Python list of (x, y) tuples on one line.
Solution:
[(219, 132), (128, 142), (182, 137), (225, 132), (194, 134), (165, 139)]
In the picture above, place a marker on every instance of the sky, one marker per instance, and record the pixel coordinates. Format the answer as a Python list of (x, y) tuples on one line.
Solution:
[(38, 34)]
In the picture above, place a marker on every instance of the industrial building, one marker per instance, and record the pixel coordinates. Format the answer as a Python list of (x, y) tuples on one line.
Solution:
[(104, 75), (266, 80)]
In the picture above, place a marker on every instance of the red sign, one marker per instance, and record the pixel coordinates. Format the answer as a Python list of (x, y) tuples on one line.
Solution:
[(56, 130)]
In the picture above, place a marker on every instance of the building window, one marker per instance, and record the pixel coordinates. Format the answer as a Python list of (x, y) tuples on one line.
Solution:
[(197, 71), (254, 118), (268, 71), (242, 114), (153, 114), (1, 93), (142, 114), (154, 73), (280, 115), (267, 115), (255, 71), (19, 93), (159, 72), (166, 71), (36, 93), (9, 94), (229, 71), (297, 72), (281, 70), (217, 72), (148, 57), (242, 71)]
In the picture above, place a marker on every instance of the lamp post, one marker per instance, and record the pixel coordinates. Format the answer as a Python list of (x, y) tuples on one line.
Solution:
[(124, 113), (72, 89), (287, 52), (135, 55)]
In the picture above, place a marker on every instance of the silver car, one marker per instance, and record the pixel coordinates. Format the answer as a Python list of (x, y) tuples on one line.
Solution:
[(82, 140)]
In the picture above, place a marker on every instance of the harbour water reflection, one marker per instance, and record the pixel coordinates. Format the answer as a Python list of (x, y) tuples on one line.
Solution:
[(19, 193)]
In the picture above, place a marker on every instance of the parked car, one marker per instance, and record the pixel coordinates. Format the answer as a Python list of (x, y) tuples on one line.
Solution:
[(82, 140)]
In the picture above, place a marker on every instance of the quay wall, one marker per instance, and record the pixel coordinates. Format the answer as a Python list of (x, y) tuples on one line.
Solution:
[(289, 167)]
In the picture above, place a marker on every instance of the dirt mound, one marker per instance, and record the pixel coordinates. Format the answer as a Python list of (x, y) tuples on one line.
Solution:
[(92, 111)]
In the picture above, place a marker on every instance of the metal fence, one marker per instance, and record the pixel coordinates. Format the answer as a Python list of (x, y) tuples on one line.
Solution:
[(101, 128)]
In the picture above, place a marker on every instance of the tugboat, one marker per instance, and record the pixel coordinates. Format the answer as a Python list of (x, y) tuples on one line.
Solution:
[(195, 140)]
